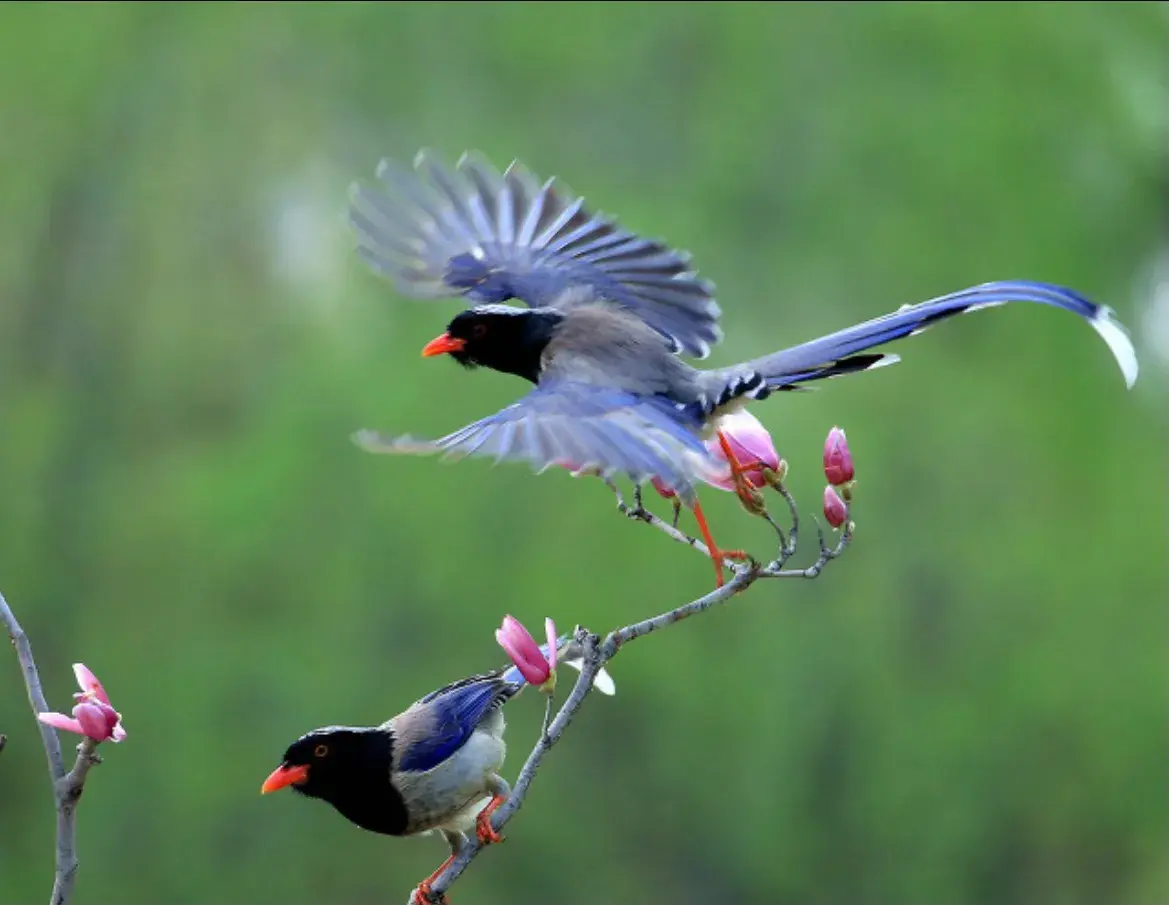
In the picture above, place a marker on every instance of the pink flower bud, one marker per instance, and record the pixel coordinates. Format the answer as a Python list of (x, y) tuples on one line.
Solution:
[(523, 650), (93, 715), (837, 458), (834, 509), (751, 446), (662, 489)]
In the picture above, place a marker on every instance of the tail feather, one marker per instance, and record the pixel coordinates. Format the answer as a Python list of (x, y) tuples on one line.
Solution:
[(837, 353)]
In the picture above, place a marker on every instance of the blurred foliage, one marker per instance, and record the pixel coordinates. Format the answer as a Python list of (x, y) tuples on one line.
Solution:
[(970, 708)]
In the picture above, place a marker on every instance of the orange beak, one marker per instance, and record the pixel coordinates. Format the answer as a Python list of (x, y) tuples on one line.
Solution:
[(284, 776), (443, 345)]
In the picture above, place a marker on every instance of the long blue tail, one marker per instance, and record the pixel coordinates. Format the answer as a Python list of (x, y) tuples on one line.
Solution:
[(839, 353)]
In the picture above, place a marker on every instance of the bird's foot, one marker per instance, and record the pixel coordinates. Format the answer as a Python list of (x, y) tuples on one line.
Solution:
[(423, 895), (483, 829), (751, 498)]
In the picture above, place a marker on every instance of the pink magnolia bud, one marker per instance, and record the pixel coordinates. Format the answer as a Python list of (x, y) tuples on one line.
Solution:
[(837, 458), (93, 715), (834, 509), (524, 651), (751, 446), (662, 489)]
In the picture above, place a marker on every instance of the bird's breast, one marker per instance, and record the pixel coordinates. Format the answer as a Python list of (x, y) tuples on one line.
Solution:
[(437, 796)]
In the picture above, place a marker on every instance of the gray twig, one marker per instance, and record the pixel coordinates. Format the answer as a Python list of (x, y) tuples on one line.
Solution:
[(788, 542), (596, 652), (67, 787)]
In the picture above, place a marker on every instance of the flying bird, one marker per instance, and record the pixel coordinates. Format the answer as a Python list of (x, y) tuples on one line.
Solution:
[(435, 766), (608, 316)]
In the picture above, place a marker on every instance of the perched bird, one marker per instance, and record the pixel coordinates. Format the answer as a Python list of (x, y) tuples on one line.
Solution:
[(608, 315), (435, 766)]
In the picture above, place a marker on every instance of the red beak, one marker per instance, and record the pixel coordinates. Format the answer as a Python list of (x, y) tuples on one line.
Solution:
[(284, 776), (443, 345)]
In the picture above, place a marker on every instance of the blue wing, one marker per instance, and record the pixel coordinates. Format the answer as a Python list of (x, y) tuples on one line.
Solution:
[(440, 723), (584, 428), (470, 231)]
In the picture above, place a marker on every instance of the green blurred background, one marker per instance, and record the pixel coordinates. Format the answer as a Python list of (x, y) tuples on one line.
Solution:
[(969, 708)]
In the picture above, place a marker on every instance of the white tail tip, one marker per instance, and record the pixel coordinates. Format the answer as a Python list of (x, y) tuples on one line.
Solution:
[(1112, 332)]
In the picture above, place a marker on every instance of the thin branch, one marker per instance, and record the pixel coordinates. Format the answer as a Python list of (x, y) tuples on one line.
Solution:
[(36, 697), (68, 791), (67, 787)]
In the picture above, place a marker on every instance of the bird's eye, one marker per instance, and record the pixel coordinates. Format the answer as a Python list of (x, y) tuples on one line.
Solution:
[(479, 331), (321, 750)]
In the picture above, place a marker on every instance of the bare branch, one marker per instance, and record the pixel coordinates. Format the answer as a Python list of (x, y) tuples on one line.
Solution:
[(32, 682), (67, 787), (68, 792)]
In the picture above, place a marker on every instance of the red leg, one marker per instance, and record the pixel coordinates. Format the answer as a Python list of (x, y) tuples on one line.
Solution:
[(716, 555), (422, 895), (483, 828)]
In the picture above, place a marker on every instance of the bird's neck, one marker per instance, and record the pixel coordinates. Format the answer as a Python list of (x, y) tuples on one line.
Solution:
[(525, 356), (373, 804)]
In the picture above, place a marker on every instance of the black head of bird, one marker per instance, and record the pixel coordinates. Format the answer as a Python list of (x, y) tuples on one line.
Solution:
[(608, 314), (501, 337), (350, 769)]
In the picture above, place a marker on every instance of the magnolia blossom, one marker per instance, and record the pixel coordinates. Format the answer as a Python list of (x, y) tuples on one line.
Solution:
[(93, 715), (751, 445), (837, 458), (525, 653), (834, 509)]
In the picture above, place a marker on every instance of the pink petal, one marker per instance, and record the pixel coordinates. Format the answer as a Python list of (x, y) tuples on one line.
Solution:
[(720, 481), (749, 442), (60, 721), (88, 682), (93, 721), (662, 489), (117, 733), (111, 716), (550, 630), (523, 650)]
